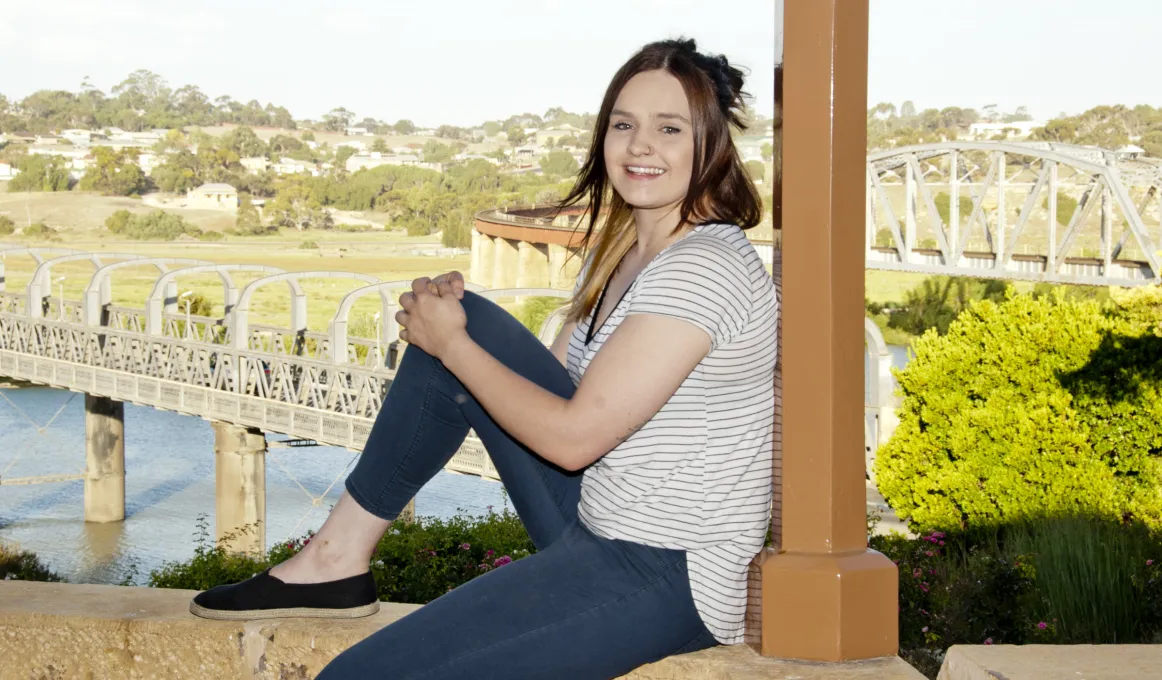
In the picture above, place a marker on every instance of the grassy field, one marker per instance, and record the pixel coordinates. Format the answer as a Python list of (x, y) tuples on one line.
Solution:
[(78, 219)]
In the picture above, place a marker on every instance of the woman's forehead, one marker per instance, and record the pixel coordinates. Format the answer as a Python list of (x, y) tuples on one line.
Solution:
[(653, 92)]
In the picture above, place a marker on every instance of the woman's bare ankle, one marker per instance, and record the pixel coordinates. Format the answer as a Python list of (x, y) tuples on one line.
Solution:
[(319, 562)]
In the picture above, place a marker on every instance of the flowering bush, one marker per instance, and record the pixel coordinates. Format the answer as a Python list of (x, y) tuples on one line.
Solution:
[(415, 562), (1054, 581)]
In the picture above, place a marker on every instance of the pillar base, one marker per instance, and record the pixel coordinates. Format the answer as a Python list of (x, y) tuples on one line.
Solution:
[(830, 607)]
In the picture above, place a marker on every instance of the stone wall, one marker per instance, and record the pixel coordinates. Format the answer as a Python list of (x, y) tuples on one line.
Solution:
[(54, 631)]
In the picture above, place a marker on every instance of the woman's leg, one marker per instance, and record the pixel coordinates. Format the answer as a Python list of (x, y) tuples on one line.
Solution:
[(424, 419), (584, 608)]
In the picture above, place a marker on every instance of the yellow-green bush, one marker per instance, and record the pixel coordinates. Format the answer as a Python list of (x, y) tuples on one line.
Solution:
[(1030, 407)]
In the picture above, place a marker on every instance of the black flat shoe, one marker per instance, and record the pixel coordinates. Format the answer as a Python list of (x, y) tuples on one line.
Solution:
[(265, 597)]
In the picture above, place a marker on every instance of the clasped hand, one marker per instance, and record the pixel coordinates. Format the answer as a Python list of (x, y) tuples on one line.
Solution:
[(431, 315)]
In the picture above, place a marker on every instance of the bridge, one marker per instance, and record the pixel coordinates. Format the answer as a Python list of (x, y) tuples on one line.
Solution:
[(314, 387), (1107, 221)]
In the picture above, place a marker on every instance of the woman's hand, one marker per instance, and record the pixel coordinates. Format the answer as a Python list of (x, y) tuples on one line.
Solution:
[(431, 316), (454, 279)]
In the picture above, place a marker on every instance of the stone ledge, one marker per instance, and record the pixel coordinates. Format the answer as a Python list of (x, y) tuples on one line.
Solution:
[(1050, 662), (54, 631)]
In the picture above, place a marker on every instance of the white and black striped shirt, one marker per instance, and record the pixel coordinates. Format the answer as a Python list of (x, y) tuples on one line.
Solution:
[(697, 476)]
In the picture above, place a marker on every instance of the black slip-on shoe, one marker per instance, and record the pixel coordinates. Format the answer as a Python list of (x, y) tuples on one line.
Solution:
[(265, 597)]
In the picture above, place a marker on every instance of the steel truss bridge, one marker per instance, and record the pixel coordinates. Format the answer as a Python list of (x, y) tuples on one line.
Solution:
[(1036, 211)]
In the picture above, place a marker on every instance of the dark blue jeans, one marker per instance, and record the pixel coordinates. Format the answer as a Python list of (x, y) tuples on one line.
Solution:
[(580, 607)]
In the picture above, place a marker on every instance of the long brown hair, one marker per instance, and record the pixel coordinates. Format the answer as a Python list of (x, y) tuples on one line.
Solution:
[(720, 188)]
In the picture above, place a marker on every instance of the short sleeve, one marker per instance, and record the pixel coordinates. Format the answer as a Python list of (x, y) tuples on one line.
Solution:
[(701, 281)]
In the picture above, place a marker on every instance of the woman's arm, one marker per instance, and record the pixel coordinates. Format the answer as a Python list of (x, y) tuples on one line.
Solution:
[(636, 372)]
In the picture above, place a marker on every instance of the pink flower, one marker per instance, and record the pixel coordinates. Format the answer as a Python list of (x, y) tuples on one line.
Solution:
[(1149, 563), (306, 542), (924, 587), (501, 561), (988, 641), (924, 629), (432, 553), (488, 553), (917, 572), (464, 546), (928, 553), (1042, 625)]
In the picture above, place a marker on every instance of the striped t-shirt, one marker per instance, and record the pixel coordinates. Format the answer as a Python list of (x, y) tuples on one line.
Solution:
[(697, 476)]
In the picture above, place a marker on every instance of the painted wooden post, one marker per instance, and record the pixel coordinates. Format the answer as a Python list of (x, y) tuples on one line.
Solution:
[(825, 596)]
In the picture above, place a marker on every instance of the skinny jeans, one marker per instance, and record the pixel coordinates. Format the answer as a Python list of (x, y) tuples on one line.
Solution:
[(581, 607)]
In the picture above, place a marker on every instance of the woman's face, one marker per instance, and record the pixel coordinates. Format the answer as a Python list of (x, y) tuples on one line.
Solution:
[(649, 146)]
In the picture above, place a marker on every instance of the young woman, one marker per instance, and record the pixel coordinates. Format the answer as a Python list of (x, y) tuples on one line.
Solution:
[(637, 450)]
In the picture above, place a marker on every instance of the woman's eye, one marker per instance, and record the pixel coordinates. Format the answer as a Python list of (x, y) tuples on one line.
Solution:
[(670, 130), (621, 126)]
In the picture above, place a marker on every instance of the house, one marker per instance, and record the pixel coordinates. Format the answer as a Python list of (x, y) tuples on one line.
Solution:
[(7, 172), (255, 163), (375, 159), (291, 166), (77, 137), (426, 132), (358, 132), (466, 157), (147, 162), (1130, 152), (1015, 130), (213, 197)]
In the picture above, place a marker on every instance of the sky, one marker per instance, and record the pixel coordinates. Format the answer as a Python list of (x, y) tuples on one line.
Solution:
[(461, 62)]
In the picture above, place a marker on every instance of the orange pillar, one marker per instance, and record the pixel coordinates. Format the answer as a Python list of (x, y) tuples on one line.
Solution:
[(825, 596)]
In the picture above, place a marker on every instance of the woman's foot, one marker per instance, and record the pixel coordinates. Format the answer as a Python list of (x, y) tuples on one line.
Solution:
[(265, 596)]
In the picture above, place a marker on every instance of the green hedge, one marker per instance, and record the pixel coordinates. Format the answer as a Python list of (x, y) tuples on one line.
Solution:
[(1030, 407), (21, 565)]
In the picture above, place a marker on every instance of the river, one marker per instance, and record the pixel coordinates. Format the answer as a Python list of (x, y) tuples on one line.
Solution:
[(169, 482)]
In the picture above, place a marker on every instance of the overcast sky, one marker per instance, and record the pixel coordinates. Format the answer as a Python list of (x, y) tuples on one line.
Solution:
[(465, 61)]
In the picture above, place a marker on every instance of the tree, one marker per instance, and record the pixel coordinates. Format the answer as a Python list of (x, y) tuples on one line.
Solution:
[(405, 127), (118, 221), (491, 128), (767, 151), (756, 170), (296, 207), (559, 164), (379, 145), (908, 109), (338, 119), (243, 142), (7, 226), (342, 154), (40, 173), (435, 152), (308, 136), (114, 173), (248, 221)]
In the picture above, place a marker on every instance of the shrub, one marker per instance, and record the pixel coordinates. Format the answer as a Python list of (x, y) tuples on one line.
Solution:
[(154, 226), (415, 562), (210, 236), (536, 310), (1066, 205), (1057, 581), (352, 227), (38, 230), (308, 245), (21, 565), (1029, 407), (944, 207), (7, 226)]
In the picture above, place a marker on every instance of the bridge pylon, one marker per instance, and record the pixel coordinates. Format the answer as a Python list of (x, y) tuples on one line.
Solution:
[(239, 488), (104, 459)]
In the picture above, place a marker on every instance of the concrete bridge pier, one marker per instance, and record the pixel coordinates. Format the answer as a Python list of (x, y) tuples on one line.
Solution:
[(240, 488), (104, 459)]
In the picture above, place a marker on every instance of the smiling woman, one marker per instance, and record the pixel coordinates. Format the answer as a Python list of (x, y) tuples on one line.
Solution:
[(637, 450)]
